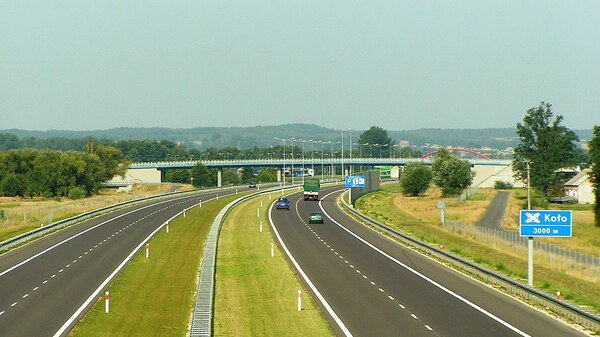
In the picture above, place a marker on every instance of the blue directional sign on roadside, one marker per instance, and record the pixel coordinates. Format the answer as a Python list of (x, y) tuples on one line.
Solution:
[(355, 181), (545, 223)]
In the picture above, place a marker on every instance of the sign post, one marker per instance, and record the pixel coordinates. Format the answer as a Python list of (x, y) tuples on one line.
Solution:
[(442, 206), (542, 223), (354, 181)]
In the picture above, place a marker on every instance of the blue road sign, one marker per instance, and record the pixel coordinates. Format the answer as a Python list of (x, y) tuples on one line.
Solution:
[(355, 181), (545, 223)]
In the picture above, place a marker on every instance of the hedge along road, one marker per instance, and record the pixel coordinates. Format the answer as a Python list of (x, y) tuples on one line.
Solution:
[(45, 286)]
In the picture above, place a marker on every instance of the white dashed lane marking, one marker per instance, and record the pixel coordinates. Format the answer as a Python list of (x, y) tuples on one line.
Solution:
[(90, 250), (381, 290)]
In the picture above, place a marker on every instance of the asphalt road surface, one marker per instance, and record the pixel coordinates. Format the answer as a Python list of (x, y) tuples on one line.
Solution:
[(494, 214), (369, 285), (46, 285)]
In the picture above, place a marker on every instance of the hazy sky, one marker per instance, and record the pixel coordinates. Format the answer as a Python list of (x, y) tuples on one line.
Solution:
[(100, 64)]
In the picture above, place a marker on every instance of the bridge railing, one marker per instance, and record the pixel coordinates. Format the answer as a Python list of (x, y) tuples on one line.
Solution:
[(299, 161)]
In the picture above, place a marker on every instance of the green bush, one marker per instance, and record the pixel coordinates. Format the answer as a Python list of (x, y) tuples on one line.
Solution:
[(76, 193), (502, 185)]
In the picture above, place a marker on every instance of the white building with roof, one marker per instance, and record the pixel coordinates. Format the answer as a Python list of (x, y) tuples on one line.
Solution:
[(580, 188)]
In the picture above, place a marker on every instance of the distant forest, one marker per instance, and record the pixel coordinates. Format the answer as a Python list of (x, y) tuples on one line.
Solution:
[(244, 138)]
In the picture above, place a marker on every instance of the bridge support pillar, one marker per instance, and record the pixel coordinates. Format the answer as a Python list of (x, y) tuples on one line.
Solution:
[(278, 175), (220, 177)]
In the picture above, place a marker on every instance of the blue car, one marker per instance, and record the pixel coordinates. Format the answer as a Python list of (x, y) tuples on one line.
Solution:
[(282, 203)]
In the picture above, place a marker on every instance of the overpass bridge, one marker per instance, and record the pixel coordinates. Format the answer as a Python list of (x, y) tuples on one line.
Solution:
[(153, 172), (302, 162)]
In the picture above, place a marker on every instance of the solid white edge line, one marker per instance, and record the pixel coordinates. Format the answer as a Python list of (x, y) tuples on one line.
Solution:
[(103, 285), (448, 291), (69, 239), (320, 297)]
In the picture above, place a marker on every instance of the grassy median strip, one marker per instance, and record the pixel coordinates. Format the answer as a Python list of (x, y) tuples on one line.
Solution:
[(154, 297), (256, 294)]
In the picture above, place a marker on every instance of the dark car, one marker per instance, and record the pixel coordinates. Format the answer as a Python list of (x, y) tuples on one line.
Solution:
[(283, 203), (252, 185), (315, 217)]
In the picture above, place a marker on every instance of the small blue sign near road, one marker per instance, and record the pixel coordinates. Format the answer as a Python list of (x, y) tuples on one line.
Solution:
[(545, 223), (355, 181)]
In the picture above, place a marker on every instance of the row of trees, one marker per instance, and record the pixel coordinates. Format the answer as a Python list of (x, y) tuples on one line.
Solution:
[(374, 142), (202, 176), (451, 174), (545, 147), (48, 173)]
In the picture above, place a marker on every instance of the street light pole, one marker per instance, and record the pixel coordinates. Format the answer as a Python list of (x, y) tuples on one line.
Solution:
[(322, 157), (529, 239), (331, 159), (343, 169), (282, 139), (293, 173), (303, 141)]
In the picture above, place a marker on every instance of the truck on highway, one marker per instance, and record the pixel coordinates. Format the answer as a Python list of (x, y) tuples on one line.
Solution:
[(311, 188)]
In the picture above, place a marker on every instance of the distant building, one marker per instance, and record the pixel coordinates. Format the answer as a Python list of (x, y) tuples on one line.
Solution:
[(404, 143), (580, 188)]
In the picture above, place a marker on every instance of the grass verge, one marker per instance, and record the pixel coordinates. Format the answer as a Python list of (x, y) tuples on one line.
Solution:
[(20, 215), (256, 294), (384, 206), (154, 297)]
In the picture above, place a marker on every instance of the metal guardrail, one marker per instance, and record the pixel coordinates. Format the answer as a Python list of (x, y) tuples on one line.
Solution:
[(201, 322), (531, 295), (39, 232)]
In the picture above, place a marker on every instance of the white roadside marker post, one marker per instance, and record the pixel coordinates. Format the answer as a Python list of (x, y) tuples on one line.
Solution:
[(106, 302), (147, 250), (272, 250), (260, 226), (299, 301)]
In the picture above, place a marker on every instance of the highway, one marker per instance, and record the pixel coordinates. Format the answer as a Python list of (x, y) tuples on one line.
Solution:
[(46, 285), (369, 285)]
